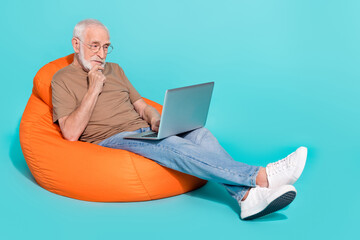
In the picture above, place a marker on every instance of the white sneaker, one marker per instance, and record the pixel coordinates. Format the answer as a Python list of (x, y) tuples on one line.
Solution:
[(286, 171), (263, 201)]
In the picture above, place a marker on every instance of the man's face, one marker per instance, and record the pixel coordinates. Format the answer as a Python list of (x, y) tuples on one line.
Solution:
[(93, 35)]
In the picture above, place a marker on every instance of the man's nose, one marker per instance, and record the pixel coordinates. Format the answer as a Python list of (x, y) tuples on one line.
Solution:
[(101, 53)]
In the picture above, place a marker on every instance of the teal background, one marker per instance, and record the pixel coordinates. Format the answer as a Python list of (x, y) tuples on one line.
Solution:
[(286, 74)]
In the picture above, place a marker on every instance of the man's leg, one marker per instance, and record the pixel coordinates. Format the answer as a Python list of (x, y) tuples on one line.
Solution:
[(206, 159), (256, 202), (184, 155), (204, 138)]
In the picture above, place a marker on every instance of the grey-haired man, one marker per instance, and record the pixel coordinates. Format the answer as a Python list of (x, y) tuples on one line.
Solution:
[(93, 101)]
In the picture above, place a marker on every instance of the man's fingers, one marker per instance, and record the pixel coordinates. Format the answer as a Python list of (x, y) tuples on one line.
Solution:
[(155, 128), (97, 68), (96, 71)]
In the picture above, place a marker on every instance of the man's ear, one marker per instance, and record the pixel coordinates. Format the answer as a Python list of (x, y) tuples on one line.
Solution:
[(76, 44)]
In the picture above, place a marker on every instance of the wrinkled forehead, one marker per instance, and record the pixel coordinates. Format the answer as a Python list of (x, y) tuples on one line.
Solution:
[(96, 33)]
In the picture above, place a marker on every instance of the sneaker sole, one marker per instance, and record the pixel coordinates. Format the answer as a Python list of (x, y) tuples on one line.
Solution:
[(275, 205)]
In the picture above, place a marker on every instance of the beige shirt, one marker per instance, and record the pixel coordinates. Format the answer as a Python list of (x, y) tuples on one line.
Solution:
[(114, 111)]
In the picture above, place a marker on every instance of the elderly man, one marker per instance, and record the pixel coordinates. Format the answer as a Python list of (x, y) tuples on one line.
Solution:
[(93, 101)]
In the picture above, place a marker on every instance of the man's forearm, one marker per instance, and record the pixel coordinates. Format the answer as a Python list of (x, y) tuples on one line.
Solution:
[(148, 113), (75, 124), (151, 114)]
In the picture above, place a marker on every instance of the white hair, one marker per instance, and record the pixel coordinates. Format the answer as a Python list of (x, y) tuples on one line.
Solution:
[(80, 28)]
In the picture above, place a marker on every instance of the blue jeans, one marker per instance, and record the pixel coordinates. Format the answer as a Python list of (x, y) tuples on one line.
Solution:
[(196, 153)]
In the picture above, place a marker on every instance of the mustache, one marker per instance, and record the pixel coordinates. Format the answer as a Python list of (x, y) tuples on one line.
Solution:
[(94, 58)]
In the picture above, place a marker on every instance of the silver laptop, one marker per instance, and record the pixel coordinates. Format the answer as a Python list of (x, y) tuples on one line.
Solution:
[(184, 109)]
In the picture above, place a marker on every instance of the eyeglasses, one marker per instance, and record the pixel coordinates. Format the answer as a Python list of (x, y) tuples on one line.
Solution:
[(95, 47)]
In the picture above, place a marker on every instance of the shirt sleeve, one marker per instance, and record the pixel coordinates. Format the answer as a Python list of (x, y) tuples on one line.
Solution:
[(134, 95), (63, 101)]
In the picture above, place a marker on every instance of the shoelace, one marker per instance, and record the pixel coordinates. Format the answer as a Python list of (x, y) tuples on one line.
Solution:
[(281, 165)]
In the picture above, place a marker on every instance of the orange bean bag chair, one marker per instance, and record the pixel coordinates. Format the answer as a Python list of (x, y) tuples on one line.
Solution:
[(87, 171)]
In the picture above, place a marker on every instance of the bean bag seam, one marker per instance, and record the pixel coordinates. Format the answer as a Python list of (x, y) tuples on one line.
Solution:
[(38, 83), (38, 96), (142, 183)]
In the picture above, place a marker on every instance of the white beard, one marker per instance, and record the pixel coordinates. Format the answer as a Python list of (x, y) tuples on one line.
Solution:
[(86, 64)]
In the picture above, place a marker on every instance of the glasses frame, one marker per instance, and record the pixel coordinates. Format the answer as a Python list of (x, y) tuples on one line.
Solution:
[(110, 47)]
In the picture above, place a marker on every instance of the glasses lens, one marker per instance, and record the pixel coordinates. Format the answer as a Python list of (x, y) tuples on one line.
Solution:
[(110, 48), (95, 47)]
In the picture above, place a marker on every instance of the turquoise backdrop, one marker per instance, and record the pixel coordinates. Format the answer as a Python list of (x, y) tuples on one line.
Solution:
[(286, 74)]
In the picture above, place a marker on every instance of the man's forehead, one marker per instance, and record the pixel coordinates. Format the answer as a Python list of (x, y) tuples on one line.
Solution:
[(96, 34)]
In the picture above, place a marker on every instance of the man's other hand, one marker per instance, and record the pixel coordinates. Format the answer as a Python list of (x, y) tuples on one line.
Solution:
[(155, 123), (148, 113), (96, 79)]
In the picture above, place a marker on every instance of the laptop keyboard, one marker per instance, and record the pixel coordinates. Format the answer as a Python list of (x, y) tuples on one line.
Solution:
[(151, 135)]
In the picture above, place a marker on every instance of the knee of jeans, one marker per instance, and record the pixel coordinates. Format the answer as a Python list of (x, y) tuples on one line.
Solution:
[(201, 134), (202, 131)]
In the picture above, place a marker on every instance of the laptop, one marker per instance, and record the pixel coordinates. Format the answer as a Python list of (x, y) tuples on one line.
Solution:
[(184, 109)]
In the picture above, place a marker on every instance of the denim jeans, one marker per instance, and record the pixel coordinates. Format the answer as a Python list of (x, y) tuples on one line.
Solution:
[(196, 153)]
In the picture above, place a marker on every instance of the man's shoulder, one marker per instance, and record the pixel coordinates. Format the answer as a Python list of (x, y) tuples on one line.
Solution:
[(114, 66), (63, 74)]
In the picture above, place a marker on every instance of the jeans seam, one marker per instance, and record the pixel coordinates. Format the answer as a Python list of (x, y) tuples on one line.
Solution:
[(253, 176), (190, 157), (215, 167), (240, 195)]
